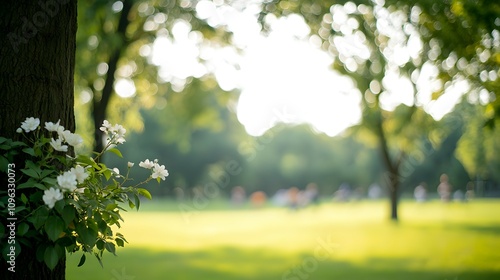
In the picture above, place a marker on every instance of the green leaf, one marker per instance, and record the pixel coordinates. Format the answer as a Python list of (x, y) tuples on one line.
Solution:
[(31, 165), (107, 174), (27, 184), (39, 217), (49, 181), (54, 226), (119, 242), (46, 172), (137, 201), (24, 199), (103, 227), (99, 259), (87, 235), (110, 247), (50, 257), (82, 260), (144, 193), (40, 186), (29, 151), (121, 236), (100, 244), (3, 139), (87, 161), (5, 147), (40, 252), (22, 229), (68, 214), (30, 172), (131, 204), (116, 152), (111, 206), (59, 206), (3, 164)]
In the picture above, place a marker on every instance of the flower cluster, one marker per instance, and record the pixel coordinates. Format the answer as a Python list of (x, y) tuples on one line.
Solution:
[(115, 132), (64, 136), (76, 199), (68, 181), (159, 171)]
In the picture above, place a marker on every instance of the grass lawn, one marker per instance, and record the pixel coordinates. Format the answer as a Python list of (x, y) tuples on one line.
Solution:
[(331, 241)]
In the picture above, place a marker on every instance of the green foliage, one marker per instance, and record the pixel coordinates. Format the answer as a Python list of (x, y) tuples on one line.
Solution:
[(114, 42), (68, 203), (478, 147)]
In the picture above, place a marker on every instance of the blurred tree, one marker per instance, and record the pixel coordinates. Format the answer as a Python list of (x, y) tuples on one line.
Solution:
[(462, 39), (36, 80), (115, 51), (380, 43), (363, 37), (478, 148)]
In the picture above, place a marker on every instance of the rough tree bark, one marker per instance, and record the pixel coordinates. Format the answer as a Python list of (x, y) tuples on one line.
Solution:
[(37, 60)]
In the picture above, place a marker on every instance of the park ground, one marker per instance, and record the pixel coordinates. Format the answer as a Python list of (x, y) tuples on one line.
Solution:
[(355, 240)]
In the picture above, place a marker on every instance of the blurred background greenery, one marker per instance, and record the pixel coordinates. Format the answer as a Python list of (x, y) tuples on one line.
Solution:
[(409, 91), (186, 119)]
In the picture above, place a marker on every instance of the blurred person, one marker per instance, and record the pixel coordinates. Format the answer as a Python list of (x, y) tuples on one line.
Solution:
[(469, 193), (238, 196), (444, 188), (258, 199), (458, 195), (358, 193), (311, 193), (179, 193), (374, 191), (343, 193), (420, 192), (293, 198), (280, 198)]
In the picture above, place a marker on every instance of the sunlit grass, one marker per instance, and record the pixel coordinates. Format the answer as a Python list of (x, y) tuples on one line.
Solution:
[(330, 241)]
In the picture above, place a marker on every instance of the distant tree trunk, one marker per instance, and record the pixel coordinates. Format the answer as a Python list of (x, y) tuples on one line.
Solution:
[(392, 171), (100, 105), (37, 60)]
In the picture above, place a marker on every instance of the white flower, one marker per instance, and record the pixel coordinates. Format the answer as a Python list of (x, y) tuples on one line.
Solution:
[(130, 164), (58, 146), (79, 173), (147, 164), (120, 140), (119, 132), (19, 130), (51, 196), (117, 172), (72, 138), (106, 126), (50, 126), (30, 124), (80, 190), (67, 181), (118, 129), (159, 171)]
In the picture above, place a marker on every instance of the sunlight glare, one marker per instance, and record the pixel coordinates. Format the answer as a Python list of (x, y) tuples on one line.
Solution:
[(125, 88), (285, 79)]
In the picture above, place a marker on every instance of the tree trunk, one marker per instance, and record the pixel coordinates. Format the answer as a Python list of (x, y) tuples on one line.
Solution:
[(37, 60), (392, 173), (100, 106)]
